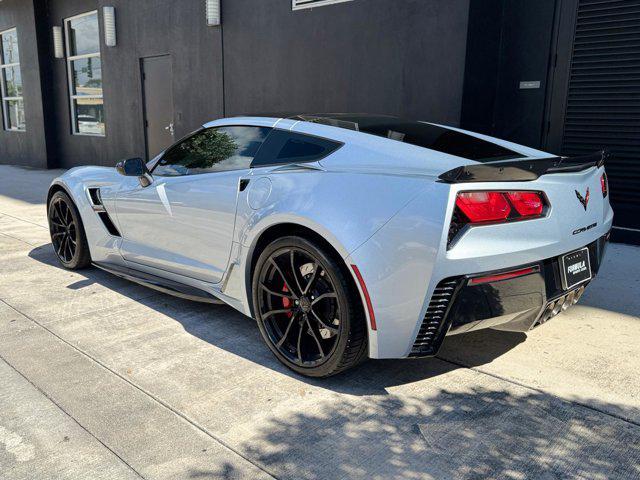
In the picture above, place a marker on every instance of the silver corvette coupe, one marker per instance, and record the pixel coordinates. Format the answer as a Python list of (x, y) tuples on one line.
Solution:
[(345, 236)]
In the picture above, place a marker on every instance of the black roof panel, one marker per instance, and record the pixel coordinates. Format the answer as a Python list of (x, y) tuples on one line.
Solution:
[(417, 133)]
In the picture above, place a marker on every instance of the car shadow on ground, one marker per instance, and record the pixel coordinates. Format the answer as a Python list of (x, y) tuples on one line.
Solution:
[(221, 326), (477, 433)]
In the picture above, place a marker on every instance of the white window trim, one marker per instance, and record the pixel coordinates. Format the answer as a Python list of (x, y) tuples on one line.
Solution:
[(4, 100), (70, 58), (299, 5)]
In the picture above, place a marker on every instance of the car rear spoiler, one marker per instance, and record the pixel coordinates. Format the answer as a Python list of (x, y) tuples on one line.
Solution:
[(523, 170)]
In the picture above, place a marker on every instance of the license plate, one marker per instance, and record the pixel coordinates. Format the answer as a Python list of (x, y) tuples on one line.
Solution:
[(575, 267)]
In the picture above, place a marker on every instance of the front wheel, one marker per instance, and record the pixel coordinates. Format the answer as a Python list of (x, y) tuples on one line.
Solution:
[(308, 311), (67, 232)]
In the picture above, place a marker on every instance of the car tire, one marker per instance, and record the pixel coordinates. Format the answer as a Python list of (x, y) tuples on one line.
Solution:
[(319, 327), (67, 232)]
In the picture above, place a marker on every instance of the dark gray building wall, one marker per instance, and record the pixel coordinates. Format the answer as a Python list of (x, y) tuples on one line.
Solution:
[(25, 148), (482, 61), (509, 41), (373, 56), (405, 58), (144, 28)]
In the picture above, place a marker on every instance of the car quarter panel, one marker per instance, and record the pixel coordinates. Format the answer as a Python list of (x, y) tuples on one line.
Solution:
[(397, 265), (345, 209)]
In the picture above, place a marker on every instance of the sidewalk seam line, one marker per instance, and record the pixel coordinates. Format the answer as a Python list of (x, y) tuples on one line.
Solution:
[(22, 220), (523, 385), (48, 397), (150, 395), (18, 239)]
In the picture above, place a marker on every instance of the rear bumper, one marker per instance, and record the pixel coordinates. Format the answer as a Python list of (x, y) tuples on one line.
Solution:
[(516, 304)]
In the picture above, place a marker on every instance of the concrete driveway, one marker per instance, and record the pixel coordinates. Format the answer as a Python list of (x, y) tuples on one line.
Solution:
[(101, 378)]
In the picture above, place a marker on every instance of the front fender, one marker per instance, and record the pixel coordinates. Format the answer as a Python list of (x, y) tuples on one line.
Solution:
[(75, 182)]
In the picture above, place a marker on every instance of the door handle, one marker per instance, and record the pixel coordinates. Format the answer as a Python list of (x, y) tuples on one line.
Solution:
[(170, 128)]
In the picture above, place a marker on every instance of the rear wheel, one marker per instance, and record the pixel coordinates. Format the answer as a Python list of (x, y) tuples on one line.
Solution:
[(308, 311), (67, 232)]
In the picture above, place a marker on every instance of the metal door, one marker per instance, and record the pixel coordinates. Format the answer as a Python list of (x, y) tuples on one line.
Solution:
[(158, 103)]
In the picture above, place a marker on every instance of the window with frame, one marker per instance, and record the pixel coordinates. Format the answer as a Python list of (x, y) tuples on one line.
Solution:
[(300, 4), (11, 82), (213, 150), (285, 147), (84, 69)]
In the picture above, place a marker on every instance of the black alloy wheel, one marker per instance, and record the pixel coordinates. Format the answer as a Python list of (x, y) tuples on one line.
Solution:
[(67, 233), (307, 310)]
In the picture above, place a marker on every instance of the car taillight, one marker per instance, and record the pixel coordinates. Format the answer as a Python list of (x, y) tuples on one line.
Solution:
[(527, 203), (483, 206), (487, 206), (478, 207), (604, 183)]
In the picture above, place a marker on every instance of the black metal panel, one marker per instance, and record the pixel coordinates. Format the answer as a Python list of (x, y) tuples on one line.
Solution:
[(509, 42), (603, 100), (527, 28)]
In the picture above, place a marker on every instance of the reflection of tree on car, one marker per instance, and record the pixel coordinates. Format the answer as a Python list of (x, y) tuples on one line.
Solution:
[(201, 152)]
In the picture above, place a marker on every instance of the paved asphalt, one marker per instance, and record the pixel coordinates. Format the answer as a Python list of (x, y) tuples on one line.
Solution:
[(101, 378)]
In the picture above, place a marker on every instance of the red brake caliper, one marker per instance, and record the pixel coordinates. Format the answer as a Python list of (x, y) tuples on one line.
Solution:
[(286, 302)]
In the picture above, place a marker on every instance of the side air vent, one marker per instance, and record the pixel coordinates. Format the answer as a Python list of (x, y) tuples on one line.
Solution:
[(433, 326), (111, 228), (94, 195), (98, 207)]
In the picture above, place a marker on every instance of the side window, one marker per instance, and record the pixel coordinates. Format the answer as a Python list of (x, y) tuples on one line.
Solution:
[(212, 150), (283, 147)]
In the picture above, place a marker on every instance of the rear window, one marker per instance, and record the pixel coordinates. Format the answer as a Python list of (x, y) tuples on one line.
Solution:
[(282, 147), (420, 134)]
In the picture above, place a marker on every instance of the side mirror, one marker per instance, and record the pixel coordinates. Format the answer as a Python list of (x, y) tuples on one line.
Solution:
[(135, 167), (131, 167)]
